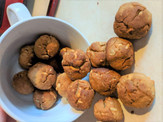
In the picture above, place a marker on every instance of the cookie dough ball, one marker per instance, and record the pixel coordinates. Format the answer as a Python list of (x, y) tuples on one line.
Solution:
[(104, 81), (136, 90), (108, 110), (46, 47), (64, 50), (132, 21), (26, 56), (76, 64), (80, 94), (119, 53), (44, 99), (96, 53), (22, 84), (62, 83), (42, 76)]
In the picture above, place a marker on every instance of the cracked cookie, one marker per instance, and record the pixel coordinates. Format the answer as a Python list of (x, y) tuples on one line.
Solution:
[(22, 84), (46, 47), (119, 53), (42, 76), (108, 110), (80, 94), (76, 64), (136, 90), (132, 21), (62, 83), (96, 53), (26, 57), (104, 81), (44, 99)]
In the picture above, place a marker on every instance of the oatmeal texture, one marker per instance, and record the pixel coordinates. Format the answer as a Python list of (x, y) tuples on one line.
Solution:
[(108, 110), (42, 76), (22, 84), (76, 64), (44, 99), (119, 53), (97, 54), (132, 21), (136, 90), (46, 47), (80, 95), (104, 81)]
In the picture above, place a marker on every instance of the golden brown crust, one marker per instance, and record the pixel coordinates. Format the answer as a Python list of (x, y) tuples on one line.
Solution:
[(42, 76), (97, 54), (76, 64), (80, 94), (44, 99), (62, 83), (46, 47), (119, 53), (136, 90), (104, 81), (22, 84), (64, 50), (108, 110), (132, 21), (26, 56)]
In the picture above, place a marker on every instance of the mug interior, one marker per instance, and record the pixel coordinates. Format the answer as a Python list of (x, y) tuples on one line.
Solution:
[(21, 107)]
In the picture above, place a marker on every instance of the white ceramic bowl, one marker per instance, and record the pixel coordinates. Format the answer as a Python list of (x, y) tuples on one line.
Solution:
[(21, 107)]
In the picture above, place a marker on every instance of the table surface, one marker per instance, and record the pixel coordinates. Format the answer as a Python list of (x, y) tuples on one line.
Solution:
[(94, 18)]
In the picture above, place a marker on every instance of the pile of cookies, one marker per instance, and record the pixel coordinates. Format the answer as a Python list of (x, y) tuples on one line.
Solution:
[(52, 69)]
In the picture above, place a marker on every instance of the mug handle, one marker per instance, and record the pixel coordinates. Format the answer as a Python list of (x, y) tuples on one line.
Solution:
[(17, 12)]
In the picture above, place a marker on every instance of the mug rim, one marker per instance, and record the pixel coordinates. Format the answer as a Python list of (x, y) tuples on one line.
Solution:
[(2, 104)]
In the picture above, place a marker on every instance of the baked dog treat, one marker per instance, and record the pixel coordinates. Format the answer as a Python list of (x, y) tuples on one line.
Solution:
[(108, 110), (62, 83), (97, 54), (80, 94), (46, 47), (64, 50), (76, 64), (26, 56), (104, 81), (42, 76), (119, 53), (132, 21), (136, 90), (44, 99), (22, 84)]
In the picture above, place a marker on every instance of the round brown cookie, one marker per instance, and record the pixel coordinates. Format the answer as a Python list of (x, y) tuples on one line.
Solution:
[(104, 81), (42, 76), (64, 50), (80, 94), (136, 90), (26, 56), (132, 21), (44, 99), (46, 47), (76, 64), (22, 84), (119, 53), (62, 83), (97, 54), (108, 110)]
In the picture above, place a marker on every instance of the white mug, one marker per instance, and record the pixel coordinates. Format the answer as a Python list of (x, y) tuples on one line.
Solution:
[(25, 29)]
